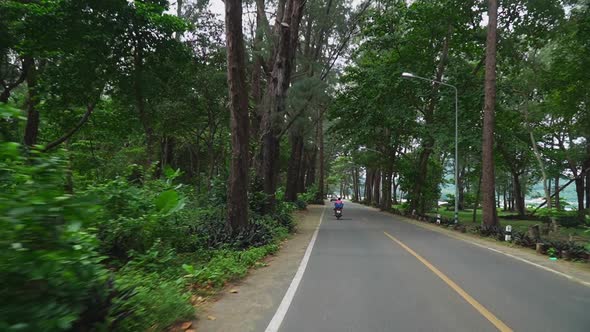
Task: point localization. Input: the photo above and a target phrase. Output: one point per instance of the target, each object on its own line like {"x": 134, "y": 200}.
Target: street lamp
{"x": 410, "y": 75}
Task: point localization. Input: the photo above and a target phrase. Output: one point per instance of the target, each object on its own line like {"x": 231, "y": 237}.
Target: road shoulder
{"x": 578, "y": 272}
{"x": 260, "y": 293}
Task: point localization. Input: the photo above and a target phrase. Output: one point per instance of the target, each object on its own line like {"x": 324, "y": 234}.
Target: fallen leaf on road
{"x": 233, "y": 291}
{"x": 200, "y": 299}
{"x": 186, "y": 325}
{"x": 211, "y": 318}
{"x": 191, "y": 330}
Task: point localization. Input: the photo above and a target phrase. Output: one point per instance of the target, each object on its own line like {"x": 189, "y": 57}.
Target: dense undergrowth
{"x": 120, "y": 255}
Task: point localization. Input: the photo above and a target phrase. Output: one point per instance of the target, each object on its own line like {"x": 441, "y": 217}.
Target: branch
{"x": 66, "y": 136}
{"x": 560, "y": 189}
{"x": 353, "y": 25}
{"x": 9, "y": 86}
{"x": 295, "y": 117}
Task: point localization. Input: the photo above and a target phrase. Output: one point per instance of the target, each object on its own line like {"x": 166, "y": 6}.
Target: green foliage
{"x": 227, "y": 265}
{"x": 283, "y": 214}
{"x": 310, "y": 195}
{"x": 147, "y": 302}
{"x": 135, "y": 216}
{"x": 49, "y": 263}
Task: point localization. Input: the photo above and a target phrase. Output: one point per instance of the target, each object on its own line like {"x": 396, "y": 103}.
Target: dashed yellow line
{"x": 480, "y": 308}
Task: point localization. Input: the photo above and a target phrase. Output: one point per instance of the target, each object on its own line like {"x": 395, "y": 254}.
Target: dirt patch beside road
{"x": 260, "y": 293}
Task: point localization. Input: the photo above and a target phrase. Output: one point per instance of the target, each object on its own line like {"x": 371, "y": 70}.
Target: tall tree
{"x": 237, "y": 202}
{"x": 490, "y": 220}
{"x": 274, "y": 102}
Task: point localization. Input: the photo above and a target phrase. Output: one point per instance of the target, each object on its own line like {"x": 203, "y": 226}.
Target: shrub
{"x": 227, "y": 265}
{"x": 135, "y": 216}
{"x": 310, "y": 195}
{"x": 147, "y": 302}
{"x": 575, "y": 251}
{"x": 523, "y": 239}
{"x": 50, "y": 269}
{"x": 300, "y": 204}
{"x": 283, "y": 214}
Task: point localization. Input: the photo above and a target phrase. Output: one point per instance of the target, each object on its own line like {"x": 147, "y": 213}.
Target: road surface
{"x": 371, "y": 272}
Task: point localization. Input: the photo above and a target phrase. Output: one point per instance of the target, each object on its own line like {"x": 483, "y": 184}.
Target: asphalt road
{"x": 360, "y": 279}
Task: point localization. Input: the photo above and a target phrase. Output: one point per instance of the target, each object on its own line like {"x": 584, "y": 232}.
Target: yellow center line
{"x": 480, "y": 308}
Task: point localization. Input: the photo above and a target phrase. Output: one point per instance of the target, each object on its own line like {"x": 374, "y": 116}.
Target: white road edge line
{"x": 565, "y": 275}
{"x": 277, "y": 319}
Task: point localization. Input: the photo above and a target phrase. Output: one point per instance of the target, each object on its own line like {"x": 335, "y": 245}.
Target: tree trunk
{"x": 287, "y": 28}
{"x": 461, "y": 184}
{"x": 519, "y": 197}
{"x": 237, "y": 193}
{"x": 179, "y": 5}
{"x": 294, "y": 169}
{"x": 376, "y": 187}
{"x": 356, "y": 185}
{"x": 394, "y": 192}
{"x": 580, "y": 195}
{"x": 546, "y": 186}
{"x": 557, "y": 203}
{"x": 428, "y": 143}
{"x": 386, "y": 198}
{"x": 587, "y": 166}
{"x": 320, "y": 138}
{"x": 490, "y": 220}
{"x": 477, "y": 195}
{"x": 257, "y": 64}
{"x": 311, "y": 168}
{"x": 302, "y": 170}
{"x": 369, "y": 186}
{"x": 32, "y": 125}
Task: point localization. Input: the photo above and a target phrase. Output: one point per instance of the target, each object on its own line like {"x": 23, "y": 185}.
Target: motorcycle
{"x": 338, "y": 213}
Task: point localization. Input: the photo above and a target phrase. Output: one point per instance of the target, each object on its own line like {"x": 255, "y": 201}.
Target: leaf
{"x": 211, "y": 317}
{"x": 186, "y": 325}
{"x": 169, "y": 202}
{"x": 188, "y": 268}
{"x": 234, "y": 291}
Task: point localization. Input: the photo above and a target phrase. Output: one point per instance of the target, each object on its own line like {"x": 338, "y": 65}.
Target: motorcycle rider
{"x": 338, "y": 204}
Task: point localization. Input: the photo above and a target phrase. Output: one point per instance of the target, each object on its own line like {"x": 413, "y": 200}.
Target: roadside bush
{"x": 300, "y": 204}
{"x": 227, "y": 265}
{"x": 574, "y": 250}
{"x": 567, "y": 219}
{"x": 283, "y": 214}
{"x": 133, "y": 216}
{"x": 310, "y": 195}
{"x": 51, "y": 273}
{"x": 147, "y": 302}
{"x": 523, "y": 239}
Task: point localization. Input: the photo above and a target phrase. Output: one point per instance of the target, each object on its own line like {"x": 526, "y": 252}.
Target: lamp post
{"x": 410, "y": 75}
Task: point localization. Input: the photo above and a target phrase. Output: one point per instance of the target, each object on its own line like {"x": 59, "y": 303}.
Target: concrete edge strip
{"x": 565, "y": 275}
{"x": 277, "y": 319}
